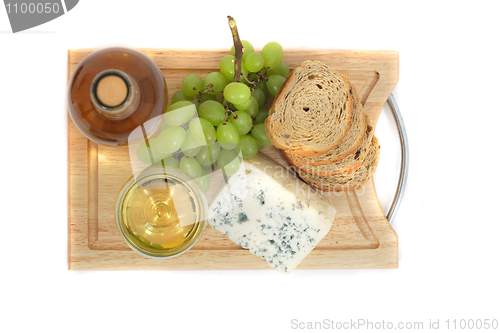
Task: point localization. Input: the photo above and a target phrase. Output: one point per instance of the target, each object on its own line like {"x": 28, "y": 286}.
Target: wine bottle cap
{"x": 111, "y": 90}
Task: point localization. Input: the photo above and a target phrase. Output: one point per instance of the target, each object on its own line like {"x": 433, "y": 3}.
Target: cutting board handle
{"x": 403, "y": 174}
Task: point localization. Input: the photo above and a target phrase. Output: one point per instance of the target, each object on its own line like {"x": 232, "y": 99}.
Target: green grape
{"x": 249, "y": 147}
{"x": 244, "y": 106}
{"x": 262, "y": 85}
{"x": 247, "y": 49}
{"x": 170, "y": 140}
{"x": 273, "y": 54}
{"x": 229, "y": 162}
{"x": 203, "y": 181}
{"x": 226, "y": 66}
{"x": 179, "y": 104}
{"x": 143, "y": 154}
{"x": 227, "y": 135}
{"x": 191, "y": 166}
{"x": 197, "y": 131}
{"x": 180, "y": 96}
{"x": 260, "y": 96}
{"x": 196, "y": 103}
{"x": 274, "y": 84}
{"x": 206, "y": 97}
{"x": 191, "y": 82}
{"x": 281, "y": 70}
{"x": 171, "y": 161}
{"x": 242, "y": 121}
{"x": 179, "y": 116}
{"x": 259, "y": 134}
{"x": 202, "y": 130}
{"x": 237, "y": 93}
{"x": 164, "y": 126}
{"x": 262, "y": 116}
{"x": 190, "y": 147}
{"x": 254, "y": 62}
{"x": 208, "y": 131}
{"x": 154, "y": 151}
{"x": 217, "y": 80}
{"x": 253, "y": 110}
{"x": 212, "y": 111}
{"x": 237, "y": 149}
{"x": 209, "y": 154}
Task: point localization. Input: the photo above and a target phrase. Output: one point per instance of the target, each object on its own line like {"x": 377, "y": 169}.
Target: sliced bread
{"x": 348, "y": 146}
{"x": 347, "y": 165}
{"x": 351, "y": 142}
{"x": 347, "y": 181}
{"x": 313, "y": 111}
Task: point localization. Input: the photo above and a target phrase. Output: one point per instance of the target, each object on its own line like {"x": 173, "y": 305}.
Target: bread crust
{"x": 345, "y": 170}
{"x": 348, "y": 182}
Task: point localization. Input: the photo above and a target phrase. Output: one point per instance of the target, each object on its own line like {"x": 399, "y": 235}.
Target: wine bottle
{"x": 113, "y": 91}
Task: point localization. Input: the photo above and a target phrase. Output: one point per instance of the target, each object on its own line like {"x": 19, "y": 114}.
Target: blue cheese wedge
{"x": 271, "y": 213}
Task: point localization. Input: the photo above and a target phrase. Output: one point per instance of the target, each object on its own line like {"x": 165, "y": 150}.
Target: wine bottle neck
{"x": 115, "y": 94}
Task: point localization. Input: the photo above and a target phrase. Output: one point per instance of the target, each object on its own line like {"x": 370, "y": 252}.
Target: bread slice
{"x": 312, "y": 113}
{"x": 351, "y": 142}
{"x": 347, "y": 165}
{"x": 347, "y": 181}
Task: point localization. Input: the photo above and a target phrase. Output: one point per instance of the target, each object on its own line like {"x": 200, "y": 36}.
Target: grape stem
{"x": 263, "y": 72}
{"x": 248, "y": 80}
{"x": 205, "y": 90}
{"x": 260, "y": 75}
{"x": 238, "y": 48}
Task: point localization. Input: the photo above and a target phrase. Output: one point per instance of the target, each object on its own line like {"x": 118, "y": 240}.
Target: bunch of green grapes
{"x": 231, "y": 115}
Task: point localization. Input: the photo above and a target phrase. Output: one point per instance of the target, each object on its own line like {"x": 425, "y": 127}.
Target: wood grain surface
{"x": 360, "y": 237}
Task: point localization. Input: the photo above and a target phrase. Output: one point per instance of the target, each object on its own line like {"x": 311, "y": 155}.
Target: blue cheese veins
{"x": 277, "y": 219}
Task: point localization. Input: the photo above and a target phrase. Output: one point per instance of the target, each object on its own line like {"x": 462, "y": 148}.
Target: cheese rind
{"x": 279, "y": 219}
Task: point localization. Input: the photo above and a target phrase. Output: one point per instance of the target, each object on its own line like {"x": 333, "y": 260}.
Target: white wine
{"x": 161, "y": 212}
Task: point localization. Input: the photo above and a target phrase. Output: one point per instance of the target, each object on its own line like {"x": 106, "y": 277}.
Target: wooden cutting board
{"x": 360, "y": 237}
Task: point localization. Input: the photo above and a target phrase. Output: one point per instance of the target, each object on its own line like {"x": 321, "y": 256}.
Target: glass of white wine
{"x": 161, "y": 212}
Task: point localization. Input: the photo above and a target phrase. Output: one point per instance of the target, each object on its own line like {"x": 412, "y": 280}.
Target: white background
{"x": 448, "y": 224}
